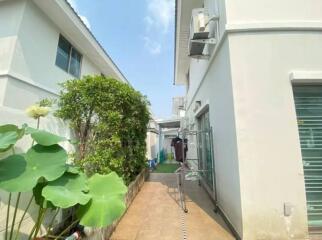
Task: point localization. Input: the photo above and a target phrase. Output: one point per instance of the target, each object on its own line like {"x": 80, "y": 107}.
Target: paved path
{"x": 156, "y": 215}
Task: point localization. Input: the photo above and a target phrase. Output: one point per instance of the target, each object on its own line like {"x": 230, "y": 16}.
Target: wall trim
{"x": 308, "y": 77}
{"x": 28, "y": 81}
{"x": 273, "y": 26}
{"x": 255, "y": 27}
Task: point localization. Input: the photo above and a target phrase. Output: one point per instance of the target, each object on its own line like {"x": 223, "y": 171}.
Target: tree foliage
{"x": 110, "y": 119}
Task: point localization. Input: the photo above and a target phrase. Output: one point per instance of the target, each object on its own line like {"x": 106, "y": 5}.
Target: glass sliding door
{"x": 308, "y": 102}
{"x": 205, "y": 150}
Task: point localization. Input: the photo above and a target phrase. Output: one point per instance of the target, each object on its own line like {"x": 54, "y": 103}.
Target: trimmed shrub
{"x": 110, "y": 120}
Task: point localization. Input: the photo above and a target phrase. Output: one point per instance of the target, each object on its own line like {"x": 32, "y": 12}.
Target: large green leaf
{"x": 39, "y": 199}
{"x": 67, "y": 191}
{"x": 44, "y": 138}
{"x": 9, "y": 135}
{"x": 7, "y": 140}
{"x": 8, "y": 128}
{"x": 21, "y": 173}
{"x": 107, "y": 203}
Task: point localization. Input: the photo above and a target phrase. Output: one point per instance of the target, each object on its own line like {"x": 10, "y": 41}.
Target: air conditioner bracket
{"x": 206, "y": 41}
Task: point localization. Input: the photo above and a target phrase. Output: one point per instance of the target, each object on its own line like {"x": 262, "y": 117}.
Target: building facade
{"x": 256, "y": 85}
{"x": 42, "y": 43}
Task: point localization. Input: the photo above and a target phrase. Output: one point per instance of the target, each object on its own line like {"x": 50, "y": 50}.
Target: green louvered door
{"x": 308, "y": 102}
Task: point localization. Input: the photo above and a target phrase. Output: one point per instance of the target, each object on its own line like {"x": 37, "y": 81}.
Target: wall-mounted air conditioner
{"x": 202, "y": 32}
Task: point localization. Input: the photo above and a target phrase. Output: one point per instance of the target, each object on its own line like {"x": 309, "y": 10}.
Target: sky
{"x": 139, "y": 37}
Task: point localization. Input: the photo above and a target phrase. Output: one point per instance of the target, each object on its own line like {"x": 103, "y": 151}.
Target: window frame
{"x": 72, "y": 48}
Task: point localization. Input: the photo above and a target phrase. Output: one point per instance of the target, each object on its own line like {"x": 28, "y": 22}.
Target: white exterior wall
{"x": 269, "y": 153}
{"x": 256, "y": 143}
{"x": 28, "y": 45}
{"x": 249, "y": 11}
{"x": 270, "y": 160}
{"x": 215, "y": 90}
{"x": 152, "y": 145}
{"x": 33, "y": 60}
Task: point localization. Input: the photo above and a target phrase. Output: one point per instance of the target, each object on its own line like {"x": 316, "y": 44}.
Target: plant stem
{"x": 38, "y": 122}
{"x": 42, "y": 215}
{"x": 68, "y": 228}
{"x": 7, "y": 219}
{"x": 23, "y": 216}
{"x": 51, "y": 223}
{"x": 34, "y": 227}
{"x": 14, "y": 215}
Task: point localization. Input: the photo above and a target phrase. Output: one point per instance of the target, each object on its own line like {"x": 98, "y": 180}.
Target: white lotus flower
{"x": 36, "y": 111}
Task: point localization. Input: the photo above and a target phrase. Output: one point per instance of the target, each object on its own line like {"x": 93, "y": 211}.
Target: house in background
{"x": 253, "y": 74}
{"x": 178, "y": 107}
{"x": 42, "y": 43}
{"x": 152, "y": 140}
{"x": 169, "y": 129}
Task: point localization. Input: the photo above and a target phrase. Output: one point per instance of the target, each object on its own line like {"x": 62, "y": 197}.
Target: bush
{"x": 110, "y": 120}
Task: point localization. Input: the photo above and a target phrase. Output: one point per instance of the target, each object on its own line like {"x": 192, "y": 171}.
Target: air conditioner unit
{"x": 201, "y": 32}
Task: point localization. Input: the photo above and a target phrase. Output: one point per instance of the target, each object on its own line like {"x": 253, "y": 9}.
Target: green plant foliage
{"x": 21, "y": 173}
{"x": 110, "y": 119}
{"x": 55, "y": 184}
{"x": 9, "y": 135}
{"x": 45, "y": 138}
{"x": 29, "y": 130}
{"x": 7, "y": 140}
{"x": 107, "y": 201}
{"x": 67, "y": 191}
{"x": 39, "y": 199}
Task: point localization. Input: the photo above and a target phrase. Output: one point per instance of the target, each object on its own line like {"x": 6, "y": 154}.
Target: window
{"x": 308, "y": 103}
{"x": 68, "y": 58}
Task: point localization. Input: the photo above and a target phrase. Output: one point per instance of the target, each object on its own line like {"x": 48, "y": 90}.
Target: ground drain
{"x": 184, "y": 231}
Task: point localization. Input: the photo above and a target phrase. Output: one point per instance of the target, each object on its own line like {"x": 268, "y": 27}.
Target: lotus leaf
{"x": 9, "y": 135}
{"x": 7, "y": 140}
{"x": 67, "y": 191}
{"x": 44, "y": 138}
{"x": 107, "y": 203}
{"x": 21, "y": 173}
{"x": 39, "y": 199}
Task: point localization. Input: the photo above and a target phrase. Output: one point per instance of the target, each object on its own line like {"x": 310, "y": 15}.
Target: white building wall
{"x": 28, "y": 45}
{"x": 216, "y": 90}
{"x": 270, "y": 160}
{"x": 249, "y": 11}
{"x": 199, "y": 67}
{"x": 263, "y": 42}
{"x": 267, "y": 43}
{"x": 11, "y": 13}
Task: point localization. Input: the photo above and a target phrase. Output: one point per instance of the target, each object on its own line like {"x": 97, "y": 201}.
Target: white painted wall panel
{"x": 270, "y": 160}
{"x": 216, "y": 90}
{"x": 11, "y": 13}
{"x": 20, "y": 95}
{"x": 28, "y": 45}
{"x": 273, "y": 10}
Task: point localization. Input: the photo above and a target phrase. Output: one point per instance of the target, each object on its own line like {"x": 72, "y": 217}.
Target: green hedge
{"x": 110, "y": 120}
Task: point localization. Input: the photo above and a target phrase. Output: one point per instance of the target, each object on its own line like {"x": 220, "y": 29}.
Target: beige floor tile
{"x": 156, "y": 214}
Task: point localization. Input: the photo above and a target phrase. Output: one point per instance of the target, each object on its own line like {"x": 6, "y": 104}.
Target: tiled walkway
{"x": 156, "y": 215}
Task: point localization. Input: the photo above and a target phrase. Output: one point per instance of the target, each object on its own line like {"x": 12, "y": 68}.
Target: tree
{"x": 110, "y": 120}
